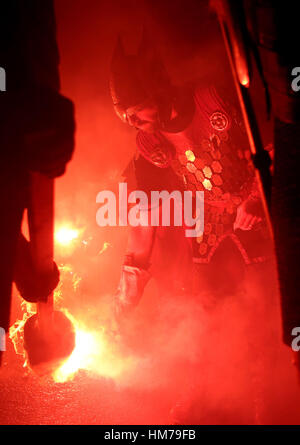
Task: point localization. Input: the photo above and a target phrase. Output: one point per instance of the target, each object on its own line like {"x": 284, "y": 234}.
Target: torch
{"x": 229, "y": 14}
{"x": 49, "y": 336}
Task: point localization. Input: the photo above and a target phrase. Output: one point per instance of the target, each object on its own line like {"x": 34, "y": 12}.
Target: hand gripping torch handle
{"x": 49, "y": 336}
{"x": 41, "y": 229}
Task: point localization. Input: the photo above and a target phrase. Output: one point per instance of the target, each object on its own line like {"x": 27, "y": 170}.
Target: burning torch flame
{"x": 66, "y": 235}
{"x": 96, "y": 352}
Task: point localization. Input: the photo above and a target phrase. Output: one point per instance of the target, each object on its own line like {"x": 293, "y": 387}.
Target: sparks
{"x": 104, "y": 248}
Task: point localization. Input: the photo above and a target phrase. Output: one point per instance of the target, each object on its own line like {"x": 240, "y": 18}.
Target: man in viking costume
{"x": 188, "y": 138}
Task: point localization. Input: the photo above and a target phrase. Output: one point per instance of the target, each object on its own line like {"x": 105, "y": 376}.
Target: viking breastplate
{"x": 211, "y": 155}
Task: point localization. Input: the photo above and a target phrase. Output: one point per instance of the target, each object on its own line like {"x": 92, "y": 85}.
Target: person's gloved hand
{"x": 33, "y": 286}
{"x": 132, "y": 283}
{"x": 249, "y": 213}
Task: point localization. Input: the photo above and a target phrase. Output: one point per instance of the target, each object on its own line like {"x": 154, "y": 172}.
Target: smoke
{"x": 216, "y": 357}
{"x": 205, "y": 355}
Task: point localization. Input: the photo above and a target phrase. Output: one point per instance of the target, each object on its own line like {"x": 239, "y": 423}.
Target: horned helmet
{"x": 135, "y": 79}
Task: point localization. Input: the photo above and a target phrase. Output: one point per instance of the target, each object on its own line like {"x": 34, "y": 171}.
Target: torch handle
{"x": 236, "y": 52}
{"x": 41, "y": 227}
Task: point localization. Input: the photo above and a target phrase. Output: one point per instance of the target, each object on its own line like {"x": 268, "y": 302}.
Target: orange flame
{"x": 65, "y": 235}
{"x": 16, "y": 331}
{"x": 96, "y": 352}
